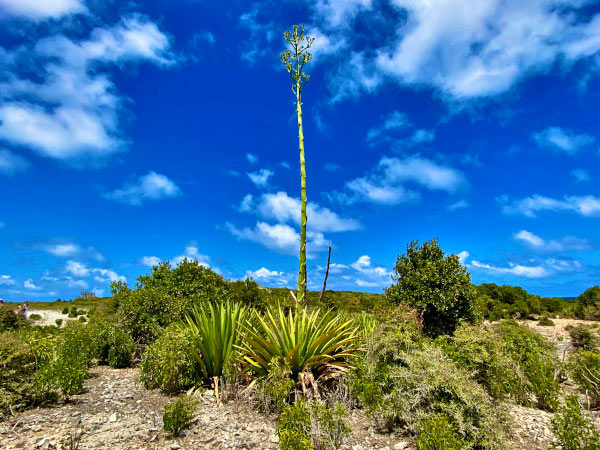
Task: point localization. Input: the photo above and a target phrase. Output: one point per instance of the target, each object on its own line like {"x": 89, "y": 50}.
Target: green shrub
{"x": 328, "y": 426}
{"x": 572, "y": 429}
{"x": 9, "y": 320}
{"x": 413, "y": 384}
{"x": 318, "y": 341}
{"x": 73, "y": 312}
{"x": 65, "y": 310}
{"x": 588, "y": 304}
{"x": 82, "y": 319}
{"x": 58, "y": 322}
{"x": 115, "y": 347}
{"x": 585, "y": 369}
{"x": 536, "y": 358}
{"x": 179, "y": 414}
{"x": 294, "y": 427}
{"x": 582, "y": 337}
{"x": 168, "y": 364}
{"x": 35, "y": 317}
{"x": 481, "y": 351}
{"x": 436, "y": 433}
{"x": 546, "y": 322}
{"x": 274, "y": 390}
{"x": 437, "y": 286}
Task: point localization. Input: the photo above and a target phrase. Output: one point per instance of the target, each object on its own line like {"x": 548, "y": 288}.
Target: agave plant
{"x": 316, "y": 341}
{"x": 214, "y": 334}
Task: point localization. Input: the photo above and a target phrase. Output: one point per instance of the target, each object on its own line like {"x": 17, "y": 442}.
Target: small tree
{"x": 437, "y": 286}
{"x": 588, "y": 304}
{"x": 294, "y": 61}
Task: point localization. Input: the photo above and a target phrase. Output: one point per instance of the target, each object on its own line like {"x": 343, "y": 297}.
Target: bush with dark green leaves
{"x": 437, "y": 286}
{"x": 58, "y": 322}
{"x": 35, "y": 317}
{"x": 294, "y": 427}
{"x": 115, "y": 347}
{"x": 573, "y": 429}
{"x": 585, "y": 370}
{"x": 588, "y": 304}
{"x": 546, "y": 322}
{"x": 274, "y": 390}
{"x": 9, "y": 319}
{"x": 505, "y": 302}
{"x": 179, "y": 414}
{"x": 583, "y": 337}
{"x": 403, "y": 382}
{"x": 167, "y": 363}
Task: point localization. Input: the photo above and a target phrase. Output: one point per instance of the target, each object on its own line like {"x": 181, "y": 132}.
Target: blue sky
{"x": 137, "y": 132}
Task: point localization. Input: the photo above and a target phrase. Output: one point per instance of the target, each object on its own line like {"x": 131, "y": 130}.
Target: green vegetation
{"x": 317, "y": 341}
{"x": 573, "y": 430}
{"x": 436, "y": 433}
{"x": 583, "y": 337}
{"x": 546, "y": 322}
{"x": 179, "y": 414}
{"x": 294, "y": 61}
{"x": 585, "y": 370}
{"x": 437, "y": 286}
{"x": 588, "y": 304}
{"x": 115, "y": 347}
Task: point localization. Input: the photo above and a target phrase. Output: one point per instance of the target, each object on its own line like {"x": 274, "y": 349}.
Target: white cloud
{"x": 562, "y": 140}
{"x": 283, "y": 208}
{"x": 29, "y": 284}
{"x": 260, "y": 178}
{"x": 530, "y": 206}
{"x": 513, "y": 269}
{"x": 355, "y": 76}
{"x": 580, "y": 175}
{"x": 338, "y": 13}
{"x": 72, "y": 113}
{"x": 393, "y": 121}
{"x": 568, "y": 243}
{"x": 81, "y": 284}
{"x": 483, "y": 48}
{"x": 77, "y": 269}
{"x": 66, "y": 249}
{"x": 192, "y": 254}
{"x": 385, "y": 184}
{"x": 252, "y": 159}
{"x": 150, "y": 261}
{"x": 6, "y": 280}
{"x": 63, "y": 250}
{"x": 152, "y": 186}
{"x": 264, "y": 275}
{"x": 41, "y": 9}
{"x": 11, "y": 163}
{"x": 280, "y": 238}
{"x": 462, "y": 256}
{"x": 461, "y": 204}
{"x": 107, "y": 275}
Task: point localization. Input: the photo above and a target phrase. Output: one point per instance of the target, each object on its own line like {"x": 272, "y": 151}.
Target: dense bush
{"x": 9, "y": 319}
{"x": 536, "y": 358}
{"x": 437, "y": 286}
{"x": 179, "y": 414}
{"x": 588, "y": 304}
{"x": 114, "y": 347}
{"x": 582, "y": 336}
{"x": 403, "y": 383}
{"x": 546, "y": 322}
{"x": 436, "y": 433}
{"x": 167, "y": 363}
{"x": 572, "y": 429}
{"x": 294, "y": 427}
{"x": 504, "y": 302}
{"x": 585, "y": 370}
{"x": 35, "y": 317}
{"x": 274, "y": 390}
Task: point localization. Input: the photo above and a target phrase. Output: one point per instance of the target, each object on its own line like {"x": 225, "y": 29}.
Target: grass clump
{"x": 572, "y": 429}
{"x": 179, "y": 414}
{"x": 582, "y": 337}
{"x": 436, "y": 433}
{"x": 35, "y": 317}
{"x": 546, "y": 322}
{"x": 167, "y": 363}
{"x": 585, "y": 370}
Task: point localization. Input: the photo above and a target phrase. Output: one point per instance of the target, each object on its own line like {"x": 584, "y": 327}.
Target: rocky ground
{"x": 116, "y": 411}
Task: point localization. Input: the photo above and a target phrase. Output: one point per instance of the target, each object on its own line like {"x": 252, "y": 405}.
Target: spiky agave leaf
{"x": 214, "y": 335}
{"x": 316, "y": 341}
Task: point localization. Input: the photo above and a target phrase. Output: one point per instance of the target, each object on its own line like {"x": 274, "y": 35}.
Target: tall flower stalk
{"x": 294, "y": 60}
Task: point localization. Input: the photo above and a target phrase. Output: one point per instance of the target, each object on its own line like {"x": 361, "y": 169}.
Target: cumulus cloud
{"x": 72, "y": 112}
{"x": 66, "y": 249}
{"x": 152, "y": 186}
{"x": 393, "y": 121}
{"x": 252, "y": 159}
{"x": 568, "y": 243}
{"x": 462, "y": 256}
{"x": 107, "y": 276}
{"x": 338, "y": 13}
{"x": 150, "y": 261}
{"x": 584, "y": 205}
{"x": 40, "y": 10}
{"x": 483, "y": 48}
{"x": 280, "y": 237}
{"x": 6, "y": 280}
{"x": 266, "y": 276}
{"x": 536, "y": 268}
{"x": 362, "y": 273}
{"x": 260, "y": 178}
{"x": 11, "y": 163}
{"x": 285, "y": 209}
{"x": 513, "y": 269}
{"x": 100, "y": 275}
{"x": 191, "y": 253}
{"x": 385, "y": 184}
{"x": 29, "y": 284}
{"x": 461, "y": 204}
{"x": 560, "y": 139}
{"x": 77, "y": 269}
